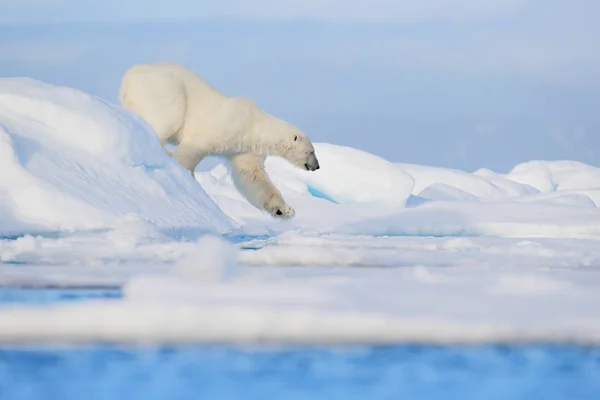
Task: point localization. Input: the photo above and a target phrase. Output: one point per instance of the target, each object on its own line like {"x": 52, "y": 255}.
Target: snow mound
{"x": 358, "y": 193}
{"x": 70, "y": 161}
{"x": 433, "y": 181}
{"x": 347, "y": 176}
{"x": 548, "y": 176}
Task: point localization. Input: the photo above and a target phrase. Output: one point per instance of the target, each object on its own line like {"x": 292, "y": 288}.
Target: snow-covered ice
{"x": 72, "y": 162}
{"x": 378, "y": 251}
{"x": 541, "y": 199}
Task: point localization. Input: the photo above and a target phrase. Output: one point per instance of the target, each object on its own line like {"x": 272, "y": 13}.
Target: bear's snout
{"x": 312, "y": 164}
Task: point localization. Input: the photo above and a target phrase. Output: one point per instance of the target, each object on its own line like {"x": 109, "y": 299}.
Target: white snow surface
{"x": 71, "y": 162}
{"x": 379, "y": 252}
{"x": 298, "y": 288}
{"x": 553, "y": 199}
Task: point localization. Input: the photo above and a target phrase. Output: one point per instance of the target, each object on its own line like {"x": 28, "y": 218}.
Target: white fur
{"x": 186, "y": 111}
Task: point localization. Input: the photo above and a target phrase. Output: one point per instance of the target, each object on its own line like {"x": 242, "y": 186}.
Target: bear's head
{"x": 292, "y": 144}
{"x": 271, "y": 136}
{"x": 297, "y": 148}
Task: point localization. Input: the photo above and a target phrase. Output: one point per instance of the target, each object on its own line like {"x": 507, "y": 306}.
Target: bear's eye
{"x": 295, "y": 138}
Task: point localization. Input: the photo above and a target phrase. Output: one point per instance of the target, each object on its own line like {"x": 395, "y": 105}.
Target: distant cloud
{"x": 549, "y": 41}
{"x": 401, "y": 11}
{"x": 50, "y": 54}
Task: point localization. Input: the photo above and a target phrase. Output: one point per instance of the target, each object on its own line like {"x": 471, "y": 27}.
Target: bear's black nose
{"x": 311, "y": 166}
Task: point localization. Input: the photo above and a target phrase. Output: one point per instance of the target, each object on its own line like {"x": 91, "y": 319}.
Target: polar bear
{"x": 186, "y": 111}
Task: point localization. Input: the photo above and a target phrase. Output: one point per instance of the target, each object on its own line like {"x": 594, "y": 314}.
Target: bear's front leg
{"x": 251, "y": 179}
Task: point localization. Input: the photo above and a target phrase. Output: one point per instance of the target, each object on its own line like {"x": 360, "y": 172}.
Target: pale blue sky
{"x": 454, "y": 83}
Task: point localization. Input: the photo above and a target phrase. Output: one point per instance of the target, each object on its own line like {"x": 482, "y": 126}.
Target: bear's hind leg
{"x": 188, "y": 157}
{"x": 251, "y": 179}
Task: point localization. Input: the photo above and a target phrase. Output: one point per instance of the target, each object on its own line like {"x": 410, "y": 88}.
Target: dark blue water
{"x": 54, "y": 295}
{"x": 400, "y": 372}
{"x": 367, "y": 372}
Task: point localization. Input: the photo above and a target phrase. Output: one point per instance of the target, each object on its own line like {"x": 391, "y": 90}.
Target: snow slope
{"x": 70, "y": 161}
